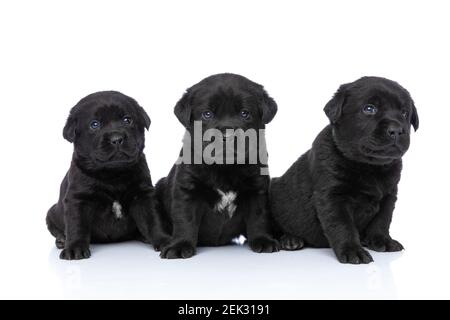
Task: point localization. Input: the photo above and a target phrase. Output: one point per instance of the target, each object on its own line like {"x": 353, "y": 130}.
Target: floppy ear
{"x": 333, "y": 109}
{"x": 414, "y": 118}
{"x": 69, "y": 132}
{"x": 183, "y": 109}
{"x": 268, "y": 108}
{"x": 144, "y": 116}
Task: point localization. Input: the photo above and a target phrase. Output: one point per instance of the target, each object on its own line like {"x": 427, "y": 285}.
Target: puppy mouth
{"x": 118, "y": 157}
{"x": 391, "y": 151}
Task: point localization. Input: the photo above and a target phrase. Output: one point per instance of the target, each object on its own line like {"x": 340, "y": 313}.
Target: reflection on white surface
{"x": 134, "y": 270}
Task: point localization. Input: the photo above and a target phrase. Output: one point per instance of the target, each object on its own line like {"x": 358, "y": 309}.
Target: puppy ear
{"x": 144, "y": 116}
{"x": 414, "y": 118}
{"x": 69, "y": 132}
{"x": 268, "y": 108}
{"x": 333, "y": 109}
{"x": 183, "y": 109}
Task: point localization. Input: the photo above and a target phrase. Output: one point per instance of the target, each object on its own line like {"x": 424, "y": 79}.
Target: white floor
{"x": 133, "y": 271}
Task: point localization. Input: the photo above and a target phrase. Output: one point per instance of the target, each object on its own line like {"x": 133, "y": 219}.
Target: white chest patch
{"x": 117, "y": 209}
{"x": 226, "y": 203}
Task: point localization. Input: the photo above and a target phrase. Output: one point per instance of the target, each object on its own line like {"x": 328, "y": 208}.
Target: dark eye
{"x": 245, "y": 114}
{"x": 95, "y": 124}
{"x": 207, "y": 115}
{"x": 127, "y": 120}
{"x": 370, "y": 109}
{"x": 405, "y": 114}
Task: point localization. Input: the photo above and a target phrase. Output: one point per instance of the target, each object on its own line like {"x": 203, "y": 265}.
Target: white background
{"x": 53, "y": 53}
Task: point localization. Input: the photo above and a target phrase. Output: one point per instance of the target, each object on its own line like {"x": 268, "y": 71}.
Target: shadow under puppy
{"x": 210, "y": 204}
{"x": 342, "y": 192}
{"x": 106, "y": 195}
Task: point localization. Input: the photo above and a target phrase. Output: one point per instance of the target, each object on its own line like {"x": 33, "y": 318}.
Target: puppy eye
{"x": 127, "y": 120}
{"x": 95, "y": 124}
{"x": 405, "y": 114}
{"x": 207, "y": 115}
{"x": 245, "y": 114}
{"x": 370, "y": 109}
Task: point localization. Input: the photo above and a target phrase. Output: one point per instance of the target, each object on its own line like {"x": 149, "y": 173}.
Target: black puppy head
{"x": 224, "y": 103}
{"x": 226, "y": 100}
{"x": 107, "y": 129}
{"x": 371, "y": 120}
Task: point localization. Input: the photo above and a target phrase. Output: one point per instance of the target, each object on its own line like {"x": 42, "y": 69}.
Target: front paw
{"x": 354, "y": 254}
{"x": 60, "y": 242}
{"x": 291, "y": 243}
{"x": 264, "y": 244}
{"x": 75, "y": 253}
{"x": 177, "y": 250}
{"x": 382, "y": 243}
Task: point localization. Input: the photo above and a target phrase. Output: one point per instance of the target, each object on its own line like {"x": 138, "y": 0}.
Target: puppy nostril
{"x": 116, "y": 139}
{"x": 394, "y": 132}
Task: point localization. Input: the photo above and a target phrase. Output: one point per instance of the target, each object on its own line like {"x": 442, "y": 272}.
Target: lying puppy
{"x": 210, "y": 204}
{"x": 342, "y": 192}
{"x": 106, "y": 195}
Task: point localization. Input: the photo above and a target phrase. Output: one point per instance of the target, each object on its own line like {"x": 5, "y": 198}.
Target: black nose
{"x": 116, "y": 139}
{"x": 394, "y": 131}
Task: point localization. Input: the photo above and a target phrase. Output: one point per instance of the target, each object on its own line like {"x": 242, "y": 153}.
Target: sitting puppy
{"x": 211, "y": 202}
{"x": 106, "y": 195}
{"x": 342, "y": 192}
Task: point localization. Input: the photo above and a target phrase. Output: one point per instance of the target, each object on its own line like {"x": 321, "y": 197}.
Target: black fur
{"x": 342, "y": 192}
{"x": 189, "y": 193}
{"x": 108, "y": 165}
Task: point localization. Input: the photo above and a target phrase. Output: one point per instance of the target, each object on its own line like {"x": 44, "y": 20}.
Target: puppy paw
{"x": 264, "y": 244}
{"x": 177, "y": 250}
{"x": 75, "y": 253}
{"x": 354, "y": 254}
{"x": 60, "y": 243}
{"x": 382, "y": 243}
{"x": 290, "y": 243}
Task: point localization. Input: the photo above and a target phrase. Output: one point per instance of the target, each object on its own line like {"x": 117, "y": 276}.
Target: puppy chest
{"x": 226, "y": 203}
{"x": 364, "y": 209}
{"x": 117, "y": 210}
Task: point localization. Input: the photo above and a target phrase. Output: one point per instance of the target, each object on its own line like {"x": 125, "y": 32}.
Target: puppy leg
{"x": 340, "y": 231}
{"x": 186, "y": 222}
{"x": 78, "y": 231}
{"x": 376, "y": 237}
{"x": 53, "y": 227}
{"x": 258, "y": 225}
{"x": 149, "y": 221}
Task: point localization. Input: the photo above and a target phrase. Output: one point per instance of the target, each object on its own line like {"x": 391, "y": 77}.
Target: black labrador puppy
{"x": 211, "y": 201}
{"x": 106, "y": 195}
{"x": 342, "y": 192}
